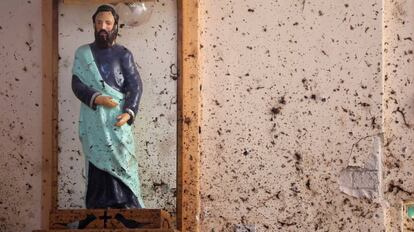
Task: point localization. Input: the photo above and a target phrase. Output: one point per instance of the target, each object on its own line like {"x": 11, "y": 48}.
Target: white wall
{"x": 293, "y": 98}
{"x": 20, "y": 120}
{"x": 398, "y": 110}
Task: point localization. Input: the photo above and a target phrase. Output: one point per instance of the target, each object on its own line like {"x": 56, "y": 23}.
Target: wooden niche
{"x": 188, "y": 101}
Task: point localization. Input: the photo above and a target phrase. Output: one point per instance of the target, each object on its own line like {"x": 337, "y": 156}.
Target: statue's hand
{"x": 122, "y": 119}
{"x": 105, "y": 101}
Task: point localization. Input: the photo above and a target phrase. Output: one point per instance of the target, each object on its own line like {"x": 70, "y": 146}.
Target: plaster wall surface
{"x": 398, "y": 111}
{"x": 20, "y": 117}
{"x": 292, "y": 97}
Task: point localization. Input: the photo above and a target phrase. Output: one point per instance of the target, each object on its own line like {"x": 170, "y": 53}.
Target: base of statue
{"x": 106, "y": 220}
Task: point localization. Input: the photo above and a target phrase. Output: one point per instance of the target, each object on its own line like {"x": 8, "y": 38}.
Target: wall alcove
{"x": 188, "y": 116}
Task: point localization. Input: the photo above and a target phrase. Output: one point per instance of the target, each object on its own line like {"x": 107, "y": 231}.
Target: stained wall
{"x": 292, "y": 115}
{"x": 398, "y": 112}
{"x": 20, "y": 117}
{"x": 307, "y": 117}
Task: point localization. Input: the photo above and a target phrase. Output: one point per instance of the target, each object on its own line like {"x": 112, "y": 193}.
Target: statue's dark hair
{"x": 103, "y": 8}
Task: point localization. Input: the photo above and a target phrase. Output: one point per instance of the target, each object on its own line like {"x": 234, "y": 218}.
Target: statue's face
{"x": 104, "y": 20}
{"x": 105, "y": 34}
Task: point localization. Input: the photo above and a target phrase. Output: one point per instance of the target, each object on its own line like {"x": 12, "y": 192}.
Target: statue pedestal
{"x": 111, "y": 230}
{"x": 110, "y": 220}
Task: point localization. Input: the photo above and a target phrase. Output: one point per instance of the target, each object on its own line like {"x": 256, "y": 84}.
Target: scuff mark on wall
{"x": 362, "y": 179}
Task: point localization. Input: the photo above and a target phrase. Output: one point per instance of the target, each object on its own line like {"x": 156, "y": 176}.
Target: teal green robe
{"x": 108, "y": 147}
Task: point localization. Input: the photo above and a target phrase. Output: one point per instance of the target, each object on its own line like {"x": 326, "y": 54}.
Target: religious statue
{"x": 105, "y": 79}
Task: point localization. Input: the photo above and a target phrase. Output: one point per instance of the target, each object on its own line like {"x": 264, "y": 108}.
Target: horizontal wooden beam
{"x": 110, "y": 230}
{"x": 107, "y": 218}
{"x": 101, "y": 1}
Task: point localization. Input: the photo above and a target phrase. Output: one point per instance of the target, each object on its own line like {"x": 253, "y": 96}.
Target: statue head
{"x": 105, "y": 21}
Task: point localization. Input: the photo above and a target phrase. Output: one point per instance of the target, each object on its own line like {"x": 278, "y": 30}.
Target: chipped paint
{"x": 362, "y": 179}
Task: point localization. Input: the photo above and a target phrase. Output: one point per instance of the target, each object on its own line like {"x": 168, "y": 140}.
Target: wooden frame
{"x": 188, "y": 118}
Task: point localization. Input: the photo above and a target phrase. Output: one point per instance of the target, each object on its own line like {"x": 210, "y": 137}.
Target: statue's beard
{"x": 104, "y": 39}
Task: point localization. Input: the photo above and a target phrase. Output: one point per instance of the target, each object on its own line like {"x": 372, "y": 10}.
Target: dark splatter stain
{"x": 103, "y": 83}
{"x": 286, "y": 224}
{"x": 298, "y": 161}
{"x": 187, "y": 120}
{"x": 210, "y": 197}
{"x": 308, "y": 184}
{"x": 305, "y": 83}
{"x": 401, "y": 111}
{"x": 373, "y": 123}
{"x": 162, "y": 185}
{"x": 320, "y": 13}
{"x": 282, "y": 100}
{"x": 250, "y": 10}
{"x": 395, "y": 188}
{"x": 295, "y": 23}
{"x": 275, "y": 110}
{"x": 346, "y": 5}
{"x": 298, "y": 157}
{"x": 173, "y": 72}
{"x": 364, "y": 104}
{"x": 25, "y": 68}
{"x": 28, "y": 45}
{"x": 80, "y": 29}
{"x": 28, "y": 186}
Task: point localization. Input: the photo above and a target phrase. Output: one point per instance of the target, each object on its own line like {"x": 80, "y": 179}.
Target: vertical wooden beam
{"x": 49, "y": 108}
{"x": 188, "y": 160}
